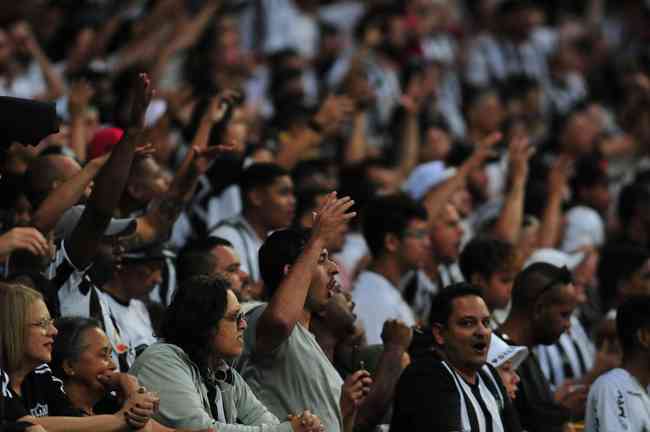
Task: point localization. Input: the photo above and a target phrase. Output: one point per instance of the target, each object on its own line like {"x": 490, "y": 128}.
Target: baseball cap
{"x": 70, "y": 219}
{"x": 103, "y": 142}
{"x": 500, "y": 352}
{"x": 556, "y": 258}
{"x": 426, "y": 176}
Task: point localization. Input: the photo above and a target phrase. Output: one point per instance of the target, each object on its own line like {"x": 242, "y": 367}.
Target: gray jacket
{"x": 168, "y": 370}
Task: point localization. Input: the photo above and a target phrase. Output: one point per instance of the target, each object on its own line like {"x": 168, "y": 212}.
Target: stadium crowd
{"x": 334, "y": 215}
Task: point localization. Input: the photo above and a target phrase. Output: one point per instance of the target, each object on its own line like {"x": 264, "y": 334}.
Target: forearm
{"x": 410, "y": 145}
{"x": 551, "y": 222}
{"x": 436, "y": 197}
{"x": 78, "y": 136}
{"x": 356, "y": 148}
{"x": 382, "y": 392}
{"x": 111, "y": 180}
{"x": 55, "y": 86}
{"x": 62, "y": 198}
{"x": 99, "y": 423}
{"x": 509, "y": 222}
{"x": 287, "y": 304}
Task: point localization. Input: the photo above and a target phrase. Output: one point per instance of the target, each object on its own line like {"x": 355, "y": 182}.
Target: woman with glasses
{"x": 204, "y": 328}
{"x": 28, "y": 333}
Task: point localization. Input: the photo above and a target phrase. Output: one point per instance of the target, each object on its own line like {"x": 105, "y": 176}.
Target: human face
{"x": 446, "y": 235}
{"x": 465, "y": 338}
{"x": 39, "y": 335}
{"x": 323, "y": 283}
{"x": 499, "y": 289}
{"x": 139, "y": 278}
{"x": 553, "y": 310}
{"x": 415, "y": 245}
{"x": 229, "y": 339}
{"x": 510, "y": 378}
{"x": 277, "y": 202}
{"x": 229, "y": 264}
{"x": 95, "y": 360}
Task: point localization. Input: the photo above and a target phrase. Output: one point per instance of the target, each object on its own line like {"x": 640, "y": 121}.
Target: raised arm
{"x": 551, "y": 224}
{"x": 78, "y": 98}
{"x": 410, "y": 145}
{"x": 287, "y": 304}
{"x": 437, "y": 197}
{"x": 397, "y": 338}
{"x": 109, "y": 184}
{"x": 157, "y": 223}
{"x": 509, "y": 223}
{"x": 24, "y": 36}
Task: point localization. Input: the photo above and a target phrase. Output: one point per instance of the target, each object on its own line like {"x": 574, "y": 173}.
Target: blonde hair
{"x": 15, "y": 301}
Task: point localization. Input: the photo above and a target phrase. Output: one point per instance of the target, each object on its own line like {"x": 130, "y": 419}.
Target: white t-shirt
{"x": 245, "y": 241}
{"x": 78, "y": 296}
{"x": 617, "y": 402}
{"x": 378, "y": 300}
{"x": 133, "y": 319}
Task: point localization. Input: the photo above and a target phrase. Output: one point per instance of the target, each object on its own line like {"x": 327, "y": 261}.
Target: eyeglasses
{"x": 44, "y": 324}
{"x": 238, "y": 319}
{"x": 564, "y": 277}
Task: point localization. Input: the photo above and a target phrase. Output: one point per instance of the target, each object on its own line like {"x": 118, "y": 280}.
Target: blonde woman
{"x": 27, "y": 336}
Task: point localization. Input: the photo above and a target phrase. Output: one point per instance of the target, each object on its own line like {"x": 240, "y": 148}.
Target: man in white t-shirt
{"x": 619, "y": 399}
{"x": 397, "y": 233}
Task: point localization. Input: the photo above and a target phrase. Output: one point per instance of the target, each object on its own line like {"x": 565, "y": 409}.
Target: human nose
{"x": 52, "y": 330}
{"x": 243, "y": 324}
{"x": 111, "y": 363}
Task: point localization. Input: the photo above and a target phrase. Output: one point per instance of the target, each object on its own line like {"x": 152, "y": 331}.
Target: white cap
{"x": 555, "y": 257}
{"x": 500, "y": 352}
{"x": 426, "y": 176}
{"x": 584, "y": 227}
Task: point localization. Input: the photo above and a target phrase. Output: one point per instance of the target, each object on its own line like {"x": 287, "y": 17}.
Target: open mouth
{"x": 480, "y": 348}
{"x": 333, "y": 287}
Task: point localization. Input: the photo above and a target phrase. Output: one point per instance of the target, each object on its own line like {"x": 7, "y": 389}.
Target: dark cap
{"x": 26, "y": 121}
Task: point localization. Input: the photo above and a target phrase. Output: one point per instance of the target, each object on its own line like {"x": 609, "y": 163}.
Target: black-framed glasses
{"x": 44, "y": 324}
{"x": 237, "y": 319}
{"x": 564, "y": 277}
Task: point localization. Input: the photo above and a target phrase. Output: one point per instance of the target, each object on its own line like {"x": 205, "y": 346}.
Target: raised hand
{"x": 396, "y": 334}
{"x": 355, "y": 389}
{"x": 331, "y": 218}
{"x": 219, "y": 105}
{"x": 485, "y": 148}
{"x": 559, "y": 174}
{"x": 519, "y": 153}
{"x": 143, "y": 92}
{"x": 24, "y": 238}
{"x": 333, "y": 112}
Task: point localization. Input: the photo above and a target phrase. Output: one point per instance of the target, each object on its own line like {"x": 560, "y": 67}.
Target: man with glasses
{"x": 543, "y": 299}
{"x": 619, "y": 400}
{"x": 397, "y": 233}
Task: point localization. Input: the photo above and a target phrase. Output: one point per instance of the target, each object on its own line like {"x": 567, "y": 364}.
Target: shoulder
{"x": 160, "y": 354}
{"x": 608, "y": 384}
{"x": 428, "y": 372}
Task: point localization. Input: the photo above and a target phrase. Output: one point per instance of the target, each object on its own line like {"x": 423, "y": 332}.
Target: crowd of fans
{"x": 336, "y": 215}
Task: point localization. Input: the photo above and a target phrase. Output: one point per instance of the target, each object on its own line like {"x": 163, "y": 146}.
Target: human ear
{"x": 67, "y": 368}
{"x": 436, "y": 329}
{"x": 391, "y": 242}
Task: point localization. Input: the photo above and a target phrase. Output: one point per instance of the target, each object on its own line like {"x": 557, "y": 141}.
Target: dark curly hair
{"x": 193, "y": 316}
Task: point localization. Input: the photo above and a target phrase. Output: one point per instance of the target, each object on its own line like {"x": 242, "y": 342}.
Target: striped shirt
{"x": 571, "y": 357}
{"x": 79, "y": 296}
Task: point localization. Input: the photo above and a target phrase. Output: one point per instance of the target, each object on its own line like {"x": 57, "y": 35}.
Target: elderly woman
{"x": 203, "y": 329}
{"x": 82, "y": 359}
{"x": 27, "y": 333}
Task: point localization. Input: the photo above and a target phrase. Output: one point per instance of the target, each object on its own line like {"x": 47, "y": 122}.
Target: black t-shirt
{"x": 10, "y": 408}
{"x": 43, "y": 395}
